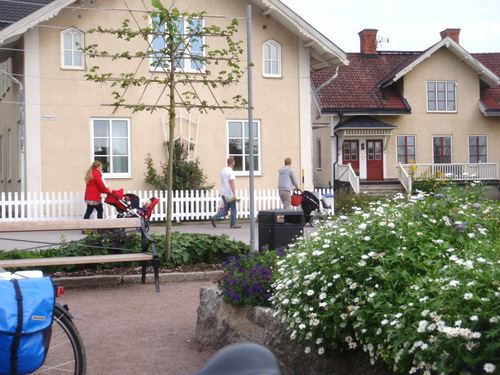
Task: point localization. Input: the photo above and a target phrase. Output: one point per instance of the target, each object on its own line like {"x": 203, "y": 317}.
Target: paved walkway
{"x": 25, "y": 240}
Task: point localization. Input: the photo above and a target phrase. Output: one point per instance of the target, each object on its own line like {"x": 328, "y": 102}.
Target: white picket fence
{"x": 187, "y": 205}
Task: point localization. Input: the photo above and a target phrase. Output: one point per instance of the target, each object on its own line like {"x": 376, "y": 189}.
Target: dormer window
{"x": 72, "y": 57}
{"x": 442, "y": 96}
{"x": 272, "y": 59}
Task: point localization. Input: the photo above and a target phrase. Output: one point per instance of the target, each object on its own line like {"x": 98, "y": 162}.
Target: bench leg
{"x": 156, "y": 262}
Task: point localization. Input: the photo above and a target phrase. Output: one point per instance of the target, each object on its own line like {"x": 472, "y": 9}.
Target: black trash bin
{"x": 278, "y": 234}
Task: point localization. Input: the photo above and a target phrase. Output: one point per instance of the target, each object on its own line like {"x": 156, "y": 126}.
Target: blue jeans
{"x": 227, "y": 206}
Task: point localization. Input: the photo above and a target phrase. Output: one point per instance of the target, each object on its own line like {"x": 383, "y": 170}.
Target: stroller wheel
{"x": 314, "y": 221}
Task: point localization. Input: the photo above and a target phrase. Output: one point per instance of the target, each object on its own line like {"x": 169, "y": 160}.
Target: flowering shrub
{"x": 414, "y": 282}
{"x": 426, "y": 182}
{"x": 247, "y": 279}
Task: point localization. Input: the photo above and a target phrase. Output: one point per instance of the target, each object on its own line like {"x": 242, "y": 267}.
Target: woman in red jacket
{"x": 95, "y": 187}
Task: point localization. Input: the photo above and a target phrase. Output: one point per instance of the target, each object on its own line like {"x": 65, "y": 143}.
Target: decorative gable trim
{"x": 484, "y": 73}
{"x": 13, "y": 32}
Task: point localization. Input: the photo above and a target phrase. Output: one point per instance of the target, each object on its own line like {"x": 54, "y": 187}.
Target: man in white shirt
{"x": 228, "y": 192}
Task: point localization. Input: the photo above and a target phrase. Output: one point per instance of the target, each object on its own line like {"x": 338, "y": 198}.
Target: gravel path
{"x": 134, "y": 330}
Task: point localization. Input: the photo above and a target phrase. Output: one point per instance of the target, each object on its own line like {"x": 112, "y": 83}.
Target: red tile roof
{"x": 359, "y": 86}
{"x": 490, "y": 96}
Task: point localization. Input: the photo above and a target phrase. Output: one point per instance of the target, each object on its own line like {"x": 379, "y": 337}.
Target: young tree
{"x": 173, "y": 39}
{"x": 187, "y": 174}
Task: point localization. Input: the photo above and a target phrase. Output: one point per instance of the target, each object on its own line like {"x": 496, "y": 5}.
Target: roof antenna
{"x": 381, "y": 40}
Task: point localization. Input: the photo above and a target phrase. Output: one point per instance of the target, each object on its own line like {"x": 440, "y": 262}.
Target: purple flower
{"x": 460, "y": 227}
{"x": 477, "y": 205}
{"x": 439, "y": 196}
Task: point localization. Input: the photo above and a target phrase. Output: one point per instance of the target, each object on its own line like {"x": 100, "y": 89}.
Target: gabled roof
{"x": 357, "y": 86}
{"x": 25, "y": 15}
{"x": 369, "y": 84}
{"x": 484, "y": 73}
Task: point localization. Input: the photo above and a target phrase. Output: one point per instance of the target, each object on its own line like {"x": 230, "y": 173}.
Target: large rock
{"x": 220, "y": 324}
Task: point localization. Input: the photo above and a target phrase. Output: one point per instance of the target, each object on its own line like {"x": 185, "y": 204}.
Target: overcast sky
{"x": 410, "y": 25}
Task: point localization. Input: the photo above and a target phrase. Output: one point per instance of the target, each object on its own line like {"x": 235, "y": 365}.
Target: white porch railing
{"x": 404, "y": 178}
{"x": 187, "y": 205}
{"x": 347, "y": 174}
{"x": 454, "y": 171}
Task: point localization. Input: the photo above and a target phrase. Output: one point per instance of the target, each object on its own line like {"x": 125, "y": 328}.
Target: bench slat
{"x": 61, "y": 261}
{"x": 78, "y": 224}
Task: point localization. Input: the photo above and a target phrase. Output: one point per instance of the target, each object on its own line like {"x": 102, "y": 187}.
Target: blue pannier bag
{"x": 26, "y": 313}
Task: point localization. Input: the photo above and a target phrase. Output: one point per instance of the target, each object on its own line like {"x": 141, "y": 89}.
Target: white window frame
{"x": 397, "y": 147}
{"x": 111, "y": 174}
{"x": 447, "y": 100}
{"x": 487, "y": 148}
{"x": 186, "y": 61}
{"x": 75, "y": 49}
{"x": 244, "y": 155}
{"x": 267, "y": 61}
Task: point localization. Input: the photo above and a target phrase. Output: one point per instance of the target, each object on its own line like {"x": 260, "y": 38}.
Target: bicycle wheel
{"x": 66, "y": 354}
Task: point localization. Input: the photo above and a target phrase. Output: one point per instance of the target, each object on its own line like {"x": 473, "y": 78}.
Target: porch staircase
{"x": 384, "y": 189}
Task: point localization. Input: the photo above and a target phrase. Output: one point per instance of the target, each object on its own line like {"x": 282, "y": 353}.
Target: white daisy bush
{"x": 413, "y": 282}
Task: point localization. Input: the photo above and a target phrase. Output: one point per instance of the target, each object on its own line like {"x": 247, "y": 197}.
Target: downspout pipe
{"x": 328, "y": 81}
{"x": 22, "y": 159}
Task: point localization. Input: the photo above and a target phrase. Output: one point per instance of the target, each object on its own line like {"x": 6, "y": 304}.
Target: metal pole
{"x": 250, "y": 127}
{"x": 22, "y": 158}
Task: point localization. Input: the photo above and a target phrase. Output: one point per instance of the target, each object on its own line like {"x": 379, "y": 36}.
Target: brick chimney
{"x": 452, "y": 33}
{"x": 368, "y": 40}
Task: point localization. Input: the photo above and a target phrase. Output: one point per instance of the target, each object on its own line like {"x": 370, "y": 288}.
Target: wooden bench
{"x": 92, "y": 224}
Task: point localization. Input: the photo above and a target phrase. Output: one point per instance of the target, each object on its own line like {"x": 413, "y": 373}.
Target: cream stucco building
{"x": 66, "y": 126}
{"x": 439, "y": 108}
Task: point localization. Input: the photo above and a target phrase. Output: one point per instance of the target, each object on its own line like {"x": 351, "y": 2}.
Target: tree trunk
{"x": 171, "y": 124}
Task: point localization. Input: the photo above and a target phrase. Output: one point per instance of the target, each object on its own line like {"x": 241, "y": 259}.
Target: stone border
{"x": 115, "y": 280}
{"x": 220, "y": 324}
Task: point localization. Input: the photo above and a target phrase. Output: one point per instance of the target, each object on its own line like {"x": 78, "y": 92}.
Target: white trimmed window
{"x": 272, "y": 58}
{"x": 239, "y": 146}
{"x": 442, "y": 96}
{"x": 187, "y": 53}
{"x": 406, "y": 149}
{"x": 72, "y": 40}
{"x": 478, "y": 149}
{"x": 111, "y": 145}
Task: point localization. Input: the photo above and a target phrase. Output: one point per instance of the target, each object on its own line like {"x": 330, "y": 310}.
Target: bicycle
{"x": 66, "y": 351}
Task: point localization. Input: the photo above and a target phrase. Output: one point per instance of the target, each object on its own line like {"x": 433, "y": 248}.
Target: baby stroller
{"x": 314, "y": 209}
{"x": 128, "y": 205}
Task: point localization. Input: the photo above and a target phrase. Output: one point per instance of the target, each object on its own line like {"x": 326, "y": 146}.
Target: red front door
{"x": 374, "y": 160}
{"x": 351, "y": 154}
